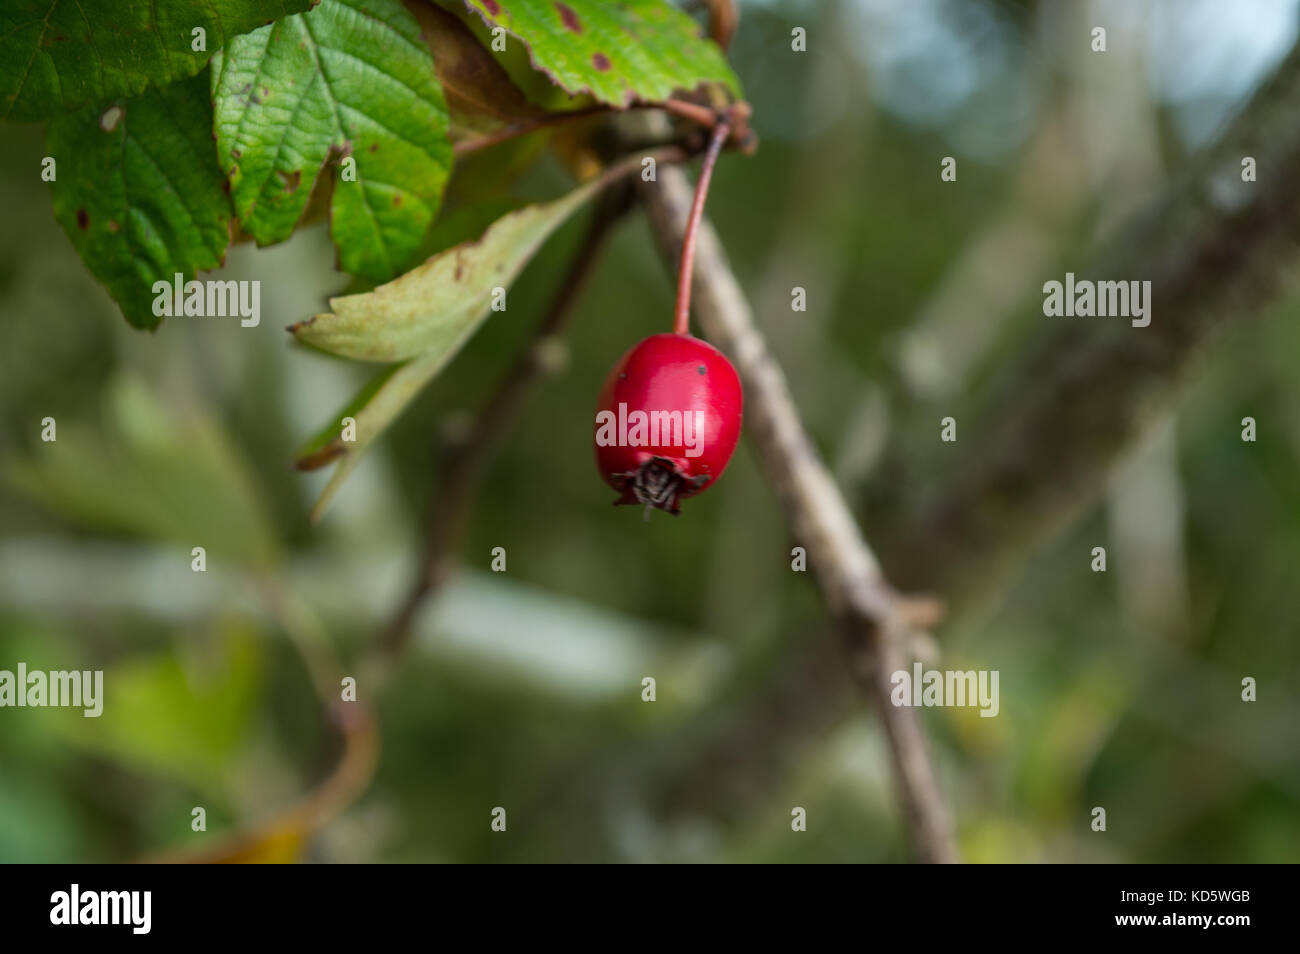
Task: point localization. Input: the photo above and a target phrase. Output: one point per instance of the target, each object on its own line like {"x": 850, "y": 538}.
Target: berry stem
{"x": 702, "y": 116}
{"x": 682, "y": 319}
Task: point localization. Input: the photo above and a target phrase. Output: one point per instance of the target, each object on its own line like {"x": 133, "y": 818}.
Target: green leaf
{"x": 425, "y": 316}
{"x": 327, "y": 444}
{"x": 350, "y": 80}
{"x": 160, "y": 717}
{"x": 437, "y": 306}
{"x": 616, "y": 51}
{"x": 139, "y": 192}
{"x": 374, "y": 409}
{"x": 65, "y": 54}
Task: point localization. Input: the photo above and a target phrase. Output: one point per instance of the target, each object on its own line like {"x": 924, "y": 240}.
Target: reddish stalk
{"x": 524, "y": 127}
{"x": 701, "y": 115}
{"x": 682, "y": 318}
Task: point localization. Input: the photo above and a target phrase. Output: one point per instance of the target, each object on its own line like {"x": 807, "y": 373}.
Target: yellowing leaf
{"x": 373, "y": 410}
{"x": 423, "y": 317}
{"x": 435, "y": 307}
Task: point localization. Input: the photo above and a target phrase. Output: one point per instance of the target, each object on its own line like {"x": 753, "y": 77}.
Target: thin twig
{"x": 701, "y": 115}
{"x": 525, "y": 126}
{"x": 724, "y": 17}
{"x": 281, "y": 836}
{"x": 874, "y": 618}
{"x": 455, "y": 491}
{"x": 355, "y": 722}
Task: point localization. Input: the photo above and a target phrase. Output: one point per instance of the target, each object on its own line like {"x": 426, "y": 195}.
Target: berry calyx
{"x": 667, "y": 421}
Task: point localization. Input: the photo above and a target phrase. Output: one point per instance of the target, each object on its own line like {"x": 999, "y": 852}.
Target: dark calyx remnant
{"x": 657, "y": 483}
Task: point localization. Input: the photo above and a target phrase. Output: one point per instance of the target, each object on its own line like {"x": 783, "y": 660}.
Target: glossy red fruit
{"x": 667, "y": 421}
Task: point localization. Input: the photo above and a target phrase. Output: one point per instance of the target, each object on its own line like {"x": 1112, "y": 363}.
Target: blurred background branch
{"x": 1216, "y": 250}
{"x": 465, "y": 454}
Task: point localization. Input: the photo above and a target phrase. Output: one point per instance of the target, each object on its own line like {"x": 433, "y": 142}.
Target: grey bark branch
{"x": 1214, "y": 248}
{"x": 873, "y": 617}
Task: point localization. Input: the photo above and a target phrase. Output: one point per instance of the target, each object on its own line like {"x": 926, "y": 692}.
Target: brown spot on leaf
{"x": 291, "y": 180}
{"x": 492, "y": 7}
{"x": 571, "y": 21}
{"x": 601, "y": 61}
{"x": 113, "y": 226}
{"x": 397, "y": 200}
{"x": 374, "y": 147}
{"x": 83, "y": 220}
{"x": 460, "y": 270}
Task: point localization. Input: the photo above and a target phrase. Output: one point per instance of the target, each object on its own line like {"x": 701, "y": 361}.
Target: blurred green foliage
{"x": 523, "y": 689}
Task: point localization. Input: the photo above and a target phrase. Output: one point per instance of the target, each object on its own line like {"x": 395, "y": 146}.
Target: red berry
{"x": 667, "y": 421}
